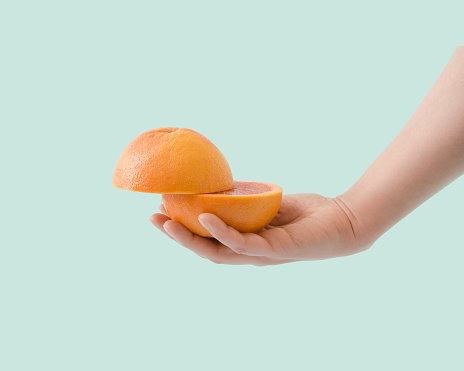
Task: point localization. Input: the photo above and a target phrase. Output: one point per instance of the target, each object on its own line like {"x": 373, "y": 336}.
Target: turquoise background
{"x": 302, "y": 94}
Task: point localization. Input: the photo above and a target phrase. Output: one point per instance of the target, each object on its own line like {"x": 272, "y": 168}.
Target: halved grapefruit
{"x": 172, "y": 160}
{"x": 248, "y": 206}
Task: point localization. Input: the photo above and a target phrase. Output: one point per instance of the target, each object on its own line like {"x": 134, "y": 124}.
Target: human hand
{"x": 307, "y": 227}
{"x": 425, "y": 157}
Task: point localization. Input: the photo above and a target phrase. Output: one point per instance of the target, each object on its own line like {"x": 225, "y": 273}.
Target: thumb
{"x": 289, "y": 210}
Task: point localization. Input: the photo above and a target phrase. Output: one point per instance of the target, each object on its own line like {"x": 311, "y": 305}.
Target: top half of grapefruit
{"x": 172, "y": 160}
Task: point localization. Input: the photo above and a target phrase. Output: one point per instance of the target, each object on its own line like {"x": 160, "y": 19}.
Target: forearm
{"x": 426, "y": 156}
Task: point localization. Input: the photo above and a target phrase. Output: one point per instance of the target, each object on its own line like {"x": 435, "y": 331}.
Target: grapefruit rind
{"x": 172, "y": 161}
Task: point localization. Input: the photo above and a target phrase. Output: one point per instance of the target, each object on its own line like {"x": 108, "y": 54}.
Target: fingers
{"x": 229, "y": 245}
{"x": 158, "y": 221}
{"x": 289, "y": 210}
{"x": 163, "y": 210}
{"x": 211, "y": 249}
{"x": 250, "y": 244}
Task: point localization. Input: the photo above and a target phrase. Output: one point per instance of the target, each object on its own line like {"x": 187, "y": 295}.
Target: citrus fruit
{"x": 172, "y": 160}
{"x": 247, "y": 207}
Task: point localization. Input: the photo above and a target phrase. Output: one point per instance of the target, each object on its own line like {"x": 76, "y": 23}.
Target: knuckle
{"x": 240, "y": 250}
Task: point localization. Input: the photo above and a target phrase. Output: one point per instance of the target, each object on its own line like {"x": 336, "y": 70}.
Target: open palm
{"x": 307, "y": 227}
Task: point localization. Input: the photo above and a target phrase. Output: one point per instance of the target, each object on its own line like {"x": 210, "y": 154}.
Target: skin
{"x": 426, "y": 156}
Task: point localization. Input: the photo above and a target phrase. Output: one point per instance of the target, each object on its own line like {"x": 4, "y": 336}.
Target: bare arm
{"x": 425, "y": 157}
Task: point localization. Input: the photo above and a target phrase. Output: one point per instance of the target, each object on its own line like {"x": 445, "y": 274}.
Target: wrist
{"x": 365, "y": 228}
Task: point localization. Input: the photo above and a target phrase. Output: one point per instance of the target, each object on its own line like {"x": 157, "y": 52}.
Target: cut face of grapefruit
{"x": 247, "y": 207}
{"x": 172, "y": 160}
{"x": 247, "y": 188}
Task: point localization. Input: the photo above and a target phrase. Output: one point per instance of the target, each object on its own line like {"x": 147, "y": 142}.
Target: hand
{"x": 307, "y": 227}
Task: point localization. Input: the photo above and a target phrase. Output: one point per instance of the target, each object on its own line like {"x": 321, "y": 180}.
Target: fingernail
{"x": 203, "y": 222}
{"x": 167, "y": 231}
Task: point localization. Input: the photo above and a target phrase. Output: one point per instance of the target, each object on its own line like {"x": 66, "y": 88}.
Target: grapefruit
{"x": 172, "y": 160}
{"x": 248, "y": 206}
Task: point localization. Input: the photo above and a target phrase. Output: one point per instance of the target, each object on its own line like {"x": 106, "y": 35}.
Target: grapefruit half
{"x": 247, "y": 207}
{"x": 172, "y": 160}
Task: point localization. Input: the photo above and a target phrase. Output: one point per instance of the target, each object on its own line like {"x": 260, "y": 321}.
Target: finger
{"x": 163, "y": 210}
{"x": 250, "y": 244}
{"x": 158, "y": 221}
{"x": 211, "y": 249}
{"x": 287, "y": 213}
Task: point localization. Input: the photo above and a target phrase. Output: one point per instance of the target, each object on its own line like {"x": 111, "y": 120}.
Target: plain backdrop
{"x": 297, "y": 93}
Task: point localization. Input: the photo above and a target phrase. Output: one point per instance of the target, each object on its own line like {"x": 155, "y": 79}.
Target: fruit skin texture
{"x": 244, "y": 212}
{"x": 172, "y": 160}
